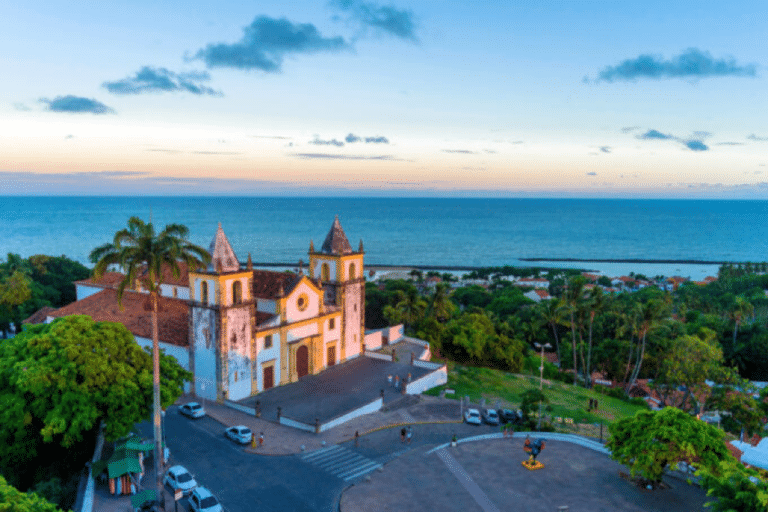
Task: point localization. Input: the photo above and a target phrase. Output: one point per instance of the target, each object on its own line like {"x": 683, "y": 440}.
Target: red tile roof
{"x": 108, "y": 280}
{"x": 267, "y": 283}
{"x": 135, "y": 315}
{"x": 39, "y": 316}
{"x": 262, "y": 317}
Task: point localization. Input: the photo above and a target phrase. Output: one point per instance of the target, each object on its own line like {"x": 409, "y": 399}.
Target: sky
{"x": 583, "y": 98}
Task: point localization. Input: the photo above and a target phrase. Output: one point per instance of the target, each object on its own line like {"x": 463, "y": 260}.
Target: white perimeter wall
{"x": 429, "y": 381}
{"x": 181, "y": 354}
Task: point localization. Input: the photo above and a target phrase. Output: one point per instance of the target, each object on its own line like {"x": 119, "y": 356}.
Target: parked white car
{"x": 178, "y": 477}
{"x": 473, "y": 416}
{"x": 240, "y": 434}
{"x": 192, "y": 409}
{"x": 202, "y": 500}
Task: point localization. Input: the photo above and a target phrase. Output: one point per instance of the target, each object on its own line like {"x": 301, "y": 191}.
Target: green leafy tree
{"x": 471, "y": 296}
{"x": 59, "y": 381}
{"x": 375, "y": 302}
{"x": 473, "y": 338}
{"x": 689, "y": 363}
{"x": 736, "y": 488}
{"x": 738, "y": 409}
{"x": 604, "y": 281}
{"x": 652, "y": 441}
{"x": 143, "y": 254}
{"x": 14, "y": 291}
{"x": 13, "y": 500}
{"x": 529, "y": 403}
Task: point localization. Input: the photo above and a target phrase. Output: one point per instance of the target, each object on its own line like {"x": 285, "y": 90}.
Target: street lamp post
{"x": 541, "y": 376}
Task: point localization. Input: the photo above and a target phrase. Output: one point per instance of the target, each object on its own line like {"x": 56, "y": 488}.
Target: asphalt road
{"x": 245, "y": 482}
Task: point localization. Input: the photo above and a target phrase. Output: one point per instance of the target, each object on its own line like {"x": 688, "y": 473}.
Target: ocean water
{"x": 439, "y": 232}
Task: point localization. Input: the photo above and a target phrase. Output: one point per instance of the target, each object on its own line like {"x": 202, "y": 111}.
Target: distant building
{"x": 537, "y": 295}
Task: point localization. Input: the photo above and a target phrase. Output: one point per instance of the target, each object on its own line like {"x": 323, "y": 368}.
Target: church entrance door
{"x": 269, "y": 377}
{"x": 302, "y": 361}
{"x": 332, "y": 355}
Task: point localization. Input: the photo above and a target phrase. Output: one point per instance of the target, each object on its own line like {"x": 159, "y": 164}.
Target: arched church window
{"x": 237, "y": 292}
{"x": 325, "y": 272}
{"x": 204, "y": 292}
{"x": 352, "y": 271}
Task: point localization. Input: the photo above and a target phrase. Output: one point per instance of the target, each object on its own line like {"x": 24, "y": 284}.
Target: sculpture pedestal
{"x": 532, "y": 464}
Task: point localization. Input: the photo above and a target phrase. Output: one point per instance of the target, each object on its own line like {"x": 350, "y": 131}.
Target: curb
{"x": 568, "y": 438}
{"x": 404, "y": 423}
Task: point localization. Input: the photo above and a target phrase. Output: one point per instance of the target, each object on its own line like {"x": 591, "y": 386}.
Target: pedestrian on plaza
{"x": 389, "y": 379}
{"x": 253, "y": 440}
{"x": 357, "y": 438}
{"x": 409, "y": 378}
{"x": 397, "y": 382}
{"x": 402, "y": 435}
{"x": 409, "y": 434}
{"x": 261, "y": 439}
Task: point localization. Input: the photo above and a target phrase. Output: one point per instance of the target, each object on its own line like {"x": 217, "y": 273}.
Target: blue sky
{"x": 347, "y": 97}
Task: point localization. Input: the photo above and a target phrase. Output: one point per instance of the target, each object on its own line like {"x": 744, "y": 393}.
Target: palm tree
{"x": 552, "y": 312}
{"x": 596, "y": 304}
{"x": 652, "y": 311}
{"x": 411, "y": 306}
{"x": 740, "y": 308}
{"x": 142, "y": 255}
{"x": 573, "y": 299}
{"x": 442, "y": 307}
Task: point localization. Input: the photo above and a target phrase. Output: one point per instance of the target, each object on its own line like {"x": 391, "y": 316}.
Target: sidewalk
{"x": 282, "y": 440}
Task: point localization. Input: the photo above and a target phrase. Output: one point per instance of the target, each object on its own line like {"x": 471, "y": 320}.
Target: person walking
{"x": 261, "y": 439}
{"x": 408, "y": 435}
{"x": 389, "y": 379}
{"x": 402, "y": 435}
{"x": 357, "y": 438}
{"x": 397, "y": 382}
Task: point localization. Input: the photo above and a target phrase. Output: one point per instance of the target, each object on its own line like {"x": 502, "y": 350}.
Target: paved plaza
{"x": 337, "y": 390}
{"x": 488, "y": 476}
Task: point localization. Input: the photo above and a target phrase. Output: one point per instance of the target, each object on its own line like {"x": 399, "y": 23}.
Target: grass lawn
{"x": 565, "y": 400}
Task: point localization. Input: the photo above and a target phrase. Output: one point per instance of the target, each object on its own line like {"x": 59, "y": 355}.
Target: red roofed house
{"x": 240, "y": 330}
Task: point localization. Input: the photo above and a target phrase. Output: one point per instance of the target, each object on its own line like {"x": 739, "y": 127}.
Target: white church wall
{"x": 239, "y": 357}
{"x": 181, "y": 354}
{"x": 205, "y": 352}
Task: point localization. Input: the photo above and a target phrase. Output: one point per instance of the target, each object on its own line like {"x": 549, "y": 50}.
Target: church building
{"x": 254, "y": 329}
{"x": 240, "y": 330}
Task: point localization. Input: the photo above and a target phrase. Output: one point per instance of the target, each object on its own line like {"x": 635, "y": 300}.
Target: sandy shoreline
{"x": 693, "y": 269}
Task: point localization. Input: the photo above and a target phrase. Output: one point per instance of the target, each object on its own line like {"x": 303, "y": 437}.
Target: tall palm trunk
{"x": 159, "y": 459}
{"x": 625, "y": 380}
{"x": 581, "y": 351}
{"x": 557, "y": 343}
{"x": 573, "y": 342}
{"x": 588, "y": 382}
{"x": 639, "y": 362}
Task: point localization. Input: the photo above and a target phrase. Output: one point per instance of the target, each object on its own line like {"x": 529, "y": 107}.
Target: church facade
{"x": 250, "y": 330}
{"x": 241, "y": 330}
